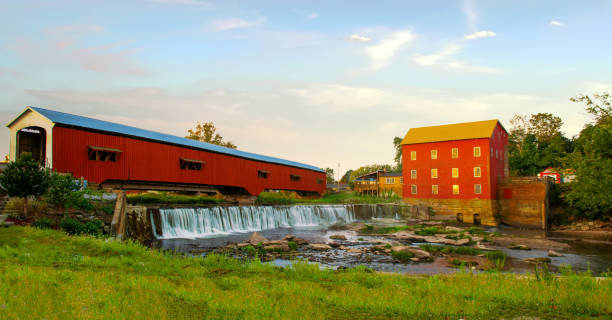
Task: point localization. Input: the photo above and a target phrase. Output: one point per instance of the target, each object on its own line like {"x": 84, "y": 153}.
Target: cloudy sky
{"x": 320, "y": 82}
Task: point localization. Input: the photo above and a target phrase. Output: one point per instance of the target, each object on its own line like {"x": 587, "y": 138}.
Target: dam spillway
{"x": 173, "y": 223}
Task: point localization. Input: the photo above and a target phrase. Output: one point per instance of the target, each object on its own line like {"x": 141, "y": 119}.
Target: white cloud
{"x": 340, "y": 97}
{"x": 471, "y": 15}
{"x": 183, "y": 2}
{"x": 360, "y": 38}
{"x": 556, "y": 23}
{"x": 433, "y": 59}
{"x": 234, "y": 23}
{"x": 312, "y": 16}
{"x": 443, "y": 59}
{"x": 381, "y": 53}
{"x": 480, "y": 34}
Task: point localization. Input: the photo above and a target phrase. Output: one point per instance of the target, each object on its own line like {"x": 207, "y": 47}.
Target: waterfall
{"x": 213, "y": 221}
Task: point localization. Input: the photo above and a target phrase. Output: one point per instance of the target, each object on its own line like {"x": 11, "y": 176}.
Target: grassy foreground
{"x": 48, "y": 274}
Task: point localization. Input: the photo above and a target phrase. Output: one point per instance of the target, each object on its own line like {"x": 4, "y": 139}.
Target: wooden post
{"x": 118, "y": 223}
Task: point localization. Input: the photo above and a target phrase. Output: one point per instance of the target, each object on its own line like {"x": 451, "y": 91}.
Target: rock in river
{"x": 338, "y": 237}
{"x": 421, "y": 254}
{"x": 552, "y": 253}
{"x": 319, "y": 246}
{"x": 256, "y": 238}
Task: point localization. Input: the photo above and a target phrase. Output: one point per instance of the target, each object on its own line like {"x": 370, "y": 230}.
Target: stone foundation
{"x": 523, "y": 202}
{"x": 450, "y": 208}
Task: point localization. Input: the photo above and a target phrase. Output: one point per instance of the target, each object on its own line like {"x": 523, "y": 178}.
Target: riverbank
{"x": 48, "y": 274}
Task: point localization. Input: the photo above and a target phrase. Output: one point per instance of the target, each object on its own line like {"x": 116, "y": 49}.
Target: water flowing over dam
{"x": 214, "y": 221}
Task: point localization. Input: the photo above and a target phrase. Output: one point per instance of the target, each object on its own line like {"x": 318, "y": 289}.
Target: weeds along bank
{"x": 48, "y": 274}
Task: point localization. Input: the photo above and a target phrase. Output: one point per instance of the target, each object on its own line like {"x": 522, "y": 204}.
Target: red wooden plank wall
{"x": 157, "y": 162}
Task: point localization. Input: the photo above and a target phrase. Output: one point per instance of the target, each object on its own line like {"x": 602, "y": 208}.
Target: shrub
{"x": 72, "y": 226}
{"x": 292, "y": 245}
{"x": 250, "y": 250}
{"x": 475, "y": 230}
{"x": 496, "y": 255}
{"x": 429, "y": 231}
{"x": 25, "y": 177}
{"x": 43, "y": 223}
{"x": 276, "y": 198}
{"x": 167, "y": 199}
{"x": 402, "y": 256}
{"x": 61, "y": 189}
{"x": 94, "y": 227}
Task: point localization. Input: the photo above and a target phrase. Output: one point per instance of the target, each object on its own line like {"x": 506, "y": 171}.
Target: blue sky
{"x": 321, "y": 82}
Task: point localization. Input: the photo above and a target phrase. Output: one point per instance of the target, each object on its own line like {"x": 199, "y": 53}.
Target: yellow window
{"x": 455, "y": 172}
{"x": 434, "y": 189}
{"x": 476, "y": 151}
{"x": 402, "y": 180}
{"x": 434, "y": 173}
{"x": 455, "y": 153}
{"x": 412, "y": 155}
{"x": 477, "y": 189}
{"x": 455, "y": 189}
{"x": 477, "y": 172}
{"x": 434, "y": 154}
{"x": 413, "y": 174}
{"x": 413, "y": 189}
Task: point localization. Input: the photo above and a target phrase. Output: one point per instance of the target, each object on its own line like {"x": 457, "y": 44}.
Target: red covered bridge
{"x": 118, "y": 156}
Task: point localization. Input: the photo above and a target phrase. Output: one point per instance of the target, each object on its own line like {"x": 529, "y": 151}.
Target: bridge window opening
{"x": 34, "y": 141}
{"x": 476, "y": 218}
{"x": 295, "y": 177}
{"x": 103, "y": 154}
{"x": 191, "y": 164}
{"x": 263, "y": 174}
{"x": 319, "y": 181}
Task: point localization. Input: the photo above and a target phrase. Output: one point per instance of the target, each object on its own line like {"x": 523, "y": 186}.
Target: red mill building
{"x": 461, "y": 170}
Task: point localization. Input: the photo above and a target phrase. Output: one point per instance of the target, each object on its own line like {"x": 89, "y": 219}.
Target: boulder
{"x": 300, "y": 241}
{"x": 449, "y": 228}
{"x": 289, "y": 237}
{"x": 538, "y": 260}
{"x": 483, "y": 247}
{"x": 518, "y": 247}
{"x": 354, "y": 251}
{"x": 277, "y": 248}
{"x": 335, "y": 244}
{"x": 319, "y": 246}
{"x": 414, "y": 259}
{"x": 274, "y": 242}
{"x": 242, "y": 245}
{"x": 338, "y": 237}
{"x": 552, "y": 253}
{"x": 421, "y": 254}
{"x": 256, "y": 238}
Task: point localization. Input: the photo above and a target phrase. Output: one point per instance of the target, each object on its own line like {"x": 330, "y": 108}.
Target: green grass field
{"x": 46, "y": 274}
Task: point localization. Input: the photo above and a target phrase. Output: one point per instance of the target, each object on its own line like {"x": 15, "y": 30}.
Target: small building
{"x": 379, "y": 183}
{"x": 559, "y": 176}
{"x": 455, "y": 168}
{"x": 391, "y": 184}
{"x": 551, "y": 173}
{"x": 368, "y": 183}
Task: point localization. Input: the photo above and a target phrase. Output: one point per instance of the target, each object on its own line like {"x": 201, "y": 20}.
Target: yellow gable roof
{"x": 450, "y": 132}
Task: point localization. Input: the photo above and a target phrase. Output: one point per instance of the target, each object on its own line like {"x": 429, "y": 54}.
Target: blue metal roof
{"x": 89, "y": 123}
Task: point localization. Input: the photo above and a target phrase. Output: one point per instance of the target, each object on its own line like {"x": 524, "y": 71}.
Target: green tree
{"x": 535, "y": 143}
{"x": 206, "y": 132}
{"x": 397, "y": 144}
{"x": 592, "y": 159}
{"x": 23, "y": 178}
{"x": 330, "y": 175}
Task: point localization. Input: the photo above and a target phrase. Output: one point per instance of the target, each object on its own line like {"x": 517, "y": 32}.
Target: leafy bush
{"x": 292, "y": 245}
{"x": 72, "y": 226}
{"x": 475, "y": 230}
{"x": 496, "y": 255}
{"x": 43, "y": 223}
{"x": 25, "y": 177}
{"x": 276, "y": 198}
{"x": 402, "y": 256}
{"x": 61, "y": 188}
{"x": 429, "y": 231}
{"x": 94, "y": 227}
{"x": 168, "y": 199}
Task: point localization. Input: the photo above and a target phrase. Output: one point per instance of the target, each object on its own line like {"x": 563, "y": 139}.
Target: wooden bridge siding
{"x": 153, "y": 161}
